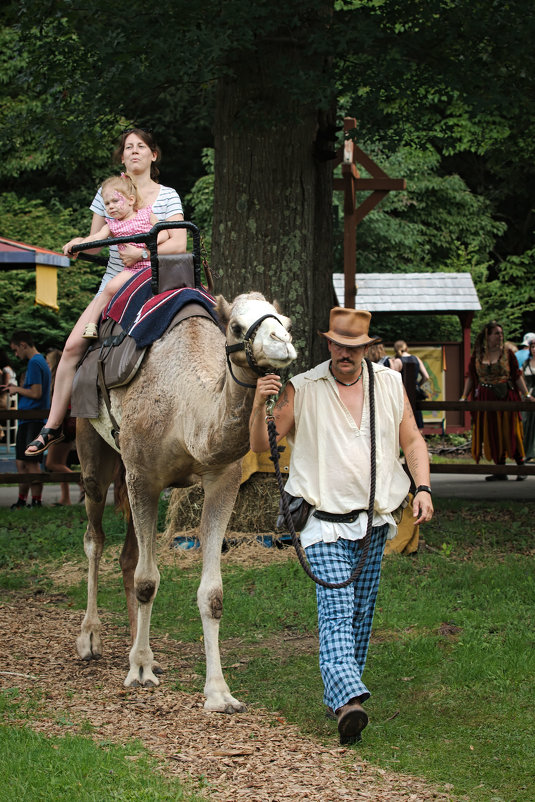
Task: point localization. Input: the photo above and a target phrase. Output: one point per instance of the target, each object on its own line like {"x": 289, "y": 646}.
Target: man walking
{"x": 34, "y": 394}
{"x": 326, "y": 414}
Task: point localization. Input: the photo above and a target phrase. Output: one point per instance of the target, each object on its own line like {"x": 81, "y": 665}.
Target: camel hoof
{"x": 229, "y": 706}
{"x": 89, "y": 646}
{"x": 239, "y": 708}
{"x": 138, "y": 678}
{"x": 157, "y": 669}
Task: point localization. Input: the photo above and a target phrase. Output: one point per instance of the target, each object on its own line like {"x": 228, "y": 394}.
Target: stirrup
{"x": 91, "y": 332}
{"x": 49, "y": 436}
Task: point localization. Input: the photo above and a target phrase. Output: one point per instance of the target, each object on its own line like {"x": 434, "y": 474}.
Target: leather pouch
{"x": 299, "y": 512}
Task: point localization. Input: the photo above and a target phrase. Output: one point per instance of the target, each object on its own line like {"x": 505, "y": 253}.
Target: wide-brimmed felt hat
{"x": 349, "y": 327}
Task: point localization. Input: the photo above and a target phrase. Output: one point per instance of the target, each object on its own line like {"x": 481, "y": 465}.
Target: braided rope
{"x": 272, "y": 434}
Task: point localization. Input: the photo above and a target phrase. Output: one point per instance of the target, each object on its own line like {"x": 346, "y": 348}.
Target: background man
{"x": 523, "y": 352}
{"x": 326, "y": 414}
{"x": 34, "y": 394}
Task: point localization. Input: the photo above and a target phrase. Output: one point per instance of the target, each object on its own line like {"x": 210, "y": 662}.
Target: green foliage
{"x": 509, "y": 297}
{"x": 436, "y": 80}
{"x": 46, "y": 225}
{"x": 426, "y": 226}
{"x": 201, "y": 199}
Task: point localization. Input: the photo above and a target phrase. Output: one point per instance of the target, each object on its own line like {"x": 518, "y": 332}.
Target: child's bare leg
{"x": 95, "y": 308}
{"x": 113, "y": 285}
{"x": 100, "y": 302}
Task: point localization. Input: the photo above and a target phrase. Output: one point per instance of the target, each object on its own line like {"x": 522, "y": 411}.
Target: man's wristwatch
{"x": 144, "y": 254}
{"x": 423, "y": 487}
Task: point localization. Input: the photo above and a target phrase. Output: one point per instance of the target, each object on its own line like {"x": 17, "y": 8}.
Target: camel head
{"x": 269, "y": 345}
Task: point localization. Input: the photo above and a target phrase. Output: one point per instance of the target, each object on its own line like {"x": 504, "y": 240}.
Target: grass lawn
{"x": 451, "y": 665}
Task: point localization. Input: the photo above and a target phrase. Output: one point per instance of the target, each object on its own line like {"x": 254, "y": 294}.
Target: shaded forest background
{"x": 443, "y": 92}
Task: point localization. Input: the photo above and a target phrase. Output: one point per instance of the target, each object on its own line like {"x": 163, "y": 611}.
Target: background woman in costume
{"x": 493, "y": 374}
{"x": 528, "y": 418}
{"x": 401, "y": 352}
{"x": 139, "y": 154}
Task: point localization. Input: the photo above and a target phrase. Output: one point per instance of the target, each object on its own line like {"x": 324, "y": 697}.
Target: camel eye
{"x": 289, "y": 328}
{"x": 236, "y": 329}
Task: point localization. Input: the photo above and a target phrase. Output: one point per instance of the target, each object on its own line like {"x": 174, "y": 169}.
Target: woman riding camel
{"x": 139, "y": 154}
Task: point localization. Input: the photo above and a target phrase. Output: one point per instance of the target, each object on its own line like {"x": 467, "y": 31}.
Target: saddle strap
{"x": 115, "y": 432}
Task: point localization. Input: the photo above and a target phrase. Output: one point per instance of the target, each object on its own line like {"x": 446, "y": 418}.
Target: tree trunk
{"x": 272, "y": 228}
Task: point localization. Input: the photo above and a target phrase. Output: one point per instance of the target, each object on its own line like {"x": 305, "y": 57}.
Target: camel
{"x": 183, "y": 417}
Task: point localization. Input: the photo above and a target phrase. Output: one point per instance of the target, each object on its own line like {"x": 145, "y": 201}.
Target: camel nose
{"x": 286, "y": 338}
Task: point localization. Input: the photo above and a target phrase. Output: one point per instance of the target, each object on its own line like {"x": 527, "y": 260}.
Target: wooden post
{"x": 380, "y": 185}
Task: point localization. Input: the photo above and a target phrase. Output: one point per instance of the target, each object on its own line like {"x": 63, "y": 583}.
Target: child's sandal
{"x": 91, "y": 332}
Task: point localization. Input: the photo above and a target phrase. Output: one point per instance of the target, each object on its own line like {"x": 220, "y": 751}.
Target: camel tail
{"x": 120, "y": 493}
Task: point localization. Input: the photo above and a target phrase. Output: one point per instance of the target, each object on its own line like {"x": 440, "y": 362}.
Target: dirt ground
{"x": 255, "y": 756}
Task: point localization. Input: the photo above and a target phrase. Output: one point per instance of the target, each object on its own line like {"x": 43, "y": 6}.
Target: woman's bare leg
{"x": 74, "y": 349}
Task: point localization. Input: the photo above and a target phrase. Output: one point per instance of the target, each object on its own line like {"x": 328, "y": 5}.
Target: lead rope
{"x": 272, "y": 434}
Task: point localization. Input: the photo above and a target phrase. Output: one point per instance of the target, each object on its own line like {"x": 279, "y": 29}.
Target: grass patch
{"x": 50, "y": 533}
{"x": 451, "y": 665}
{"x": 34, "y": 767}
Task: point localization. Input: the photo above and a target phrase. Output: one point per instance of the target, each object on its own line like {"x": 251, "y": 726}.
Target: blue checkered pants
{"x": 345, "y": 615}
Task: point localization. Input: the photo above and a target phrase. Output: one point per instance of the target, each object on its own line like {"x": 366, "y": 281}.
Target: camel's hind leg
{"x": 220, "y": 491}
{"x": 98, "y": 461}
{"x": 144, "y": 506}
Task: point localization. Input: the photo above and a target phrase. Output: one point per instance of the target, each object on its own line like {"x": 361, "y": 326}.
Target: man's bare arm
{"x": 415, "y": 450}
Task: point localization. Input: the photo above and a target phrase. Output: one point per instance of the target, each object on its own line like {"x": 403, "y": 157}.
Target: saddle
{"x": 114, "y": 359}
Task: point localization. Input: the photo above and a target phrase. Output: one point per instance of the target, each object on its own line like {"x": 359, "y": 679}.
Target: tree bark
{"x": 272, "y": 229}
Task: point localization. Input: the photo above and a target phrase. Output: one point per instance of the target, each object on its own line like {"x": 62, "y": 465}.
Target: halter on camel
{"x": 247, "y": 345}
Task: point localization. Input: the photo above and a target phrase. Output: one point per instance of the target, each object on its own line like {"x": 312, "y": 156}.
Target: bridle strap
{"x": 247, "y": 345}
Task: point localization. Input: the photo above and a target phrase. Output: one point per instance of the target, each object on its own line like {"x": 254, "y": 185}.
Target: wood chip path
{"x": 256, "y": 756}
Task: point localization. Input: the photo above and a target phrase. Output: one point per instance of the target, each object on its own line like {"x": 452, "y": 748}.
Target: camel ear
{"x": 278, "y": 309}
{"x": 223, "y": 310}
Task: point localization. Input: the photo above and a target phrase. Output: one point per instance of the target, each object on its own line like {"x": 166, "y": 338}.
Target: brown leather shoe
{"x": 352, "y": 718}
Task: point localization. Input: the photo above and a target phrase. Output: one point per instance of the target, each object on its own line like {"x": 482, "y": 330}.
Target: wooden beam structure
{"x": 379, "y": 185}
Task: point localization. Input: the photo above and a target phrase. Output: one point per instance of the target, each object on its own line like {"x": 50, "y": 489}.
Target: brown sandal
{"x": 48, "y": 438}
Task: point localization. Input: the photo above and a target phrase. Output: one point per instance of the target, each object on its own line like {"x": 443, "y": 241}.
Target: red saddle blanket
{"x": 145, "y": 316}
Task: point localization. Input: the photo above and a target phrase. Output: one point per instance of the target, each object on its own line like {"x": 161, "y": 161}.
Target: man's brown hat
{"x": 349, "y": 327}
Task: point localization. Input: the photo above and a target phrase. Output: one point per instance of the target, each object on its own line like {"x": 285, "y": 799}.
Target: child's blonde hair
{"x": 123, "y": 184}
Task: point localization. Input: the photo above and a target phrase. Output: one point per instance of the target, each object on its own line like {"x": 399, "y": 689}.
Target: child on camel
{"x": 124, "y": 217}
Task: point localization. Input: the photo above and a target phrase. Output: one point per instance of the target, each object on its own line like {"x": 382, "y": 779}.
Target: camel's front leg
{"x": 220, "y": 492}
{"x": 98, "y": 462}
{"x": 144, "y": 506}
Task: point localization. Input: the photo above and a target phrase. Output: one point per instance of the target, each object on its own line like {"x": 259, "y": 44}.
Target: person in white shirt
{"x": 325, "y": 412}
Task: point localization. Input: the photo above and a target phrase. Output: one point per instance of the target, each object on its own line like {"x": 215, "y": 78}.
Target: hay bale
{"x": 255, "y": 509}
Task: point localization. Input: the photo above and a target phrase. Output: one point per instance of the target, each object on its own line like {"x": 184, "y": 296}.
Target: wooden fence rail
{"x": 45, "y": 477}
{"x": 444, "y": 468}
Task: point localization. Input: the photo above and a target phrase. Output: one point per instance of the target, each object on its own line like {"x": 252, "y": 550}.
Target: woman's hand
{"x": 130, "y": 255}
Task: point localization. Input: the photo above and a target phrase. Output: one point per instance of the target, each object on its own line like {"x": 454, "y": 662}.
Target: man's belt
{"x": 338, "y": 518}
